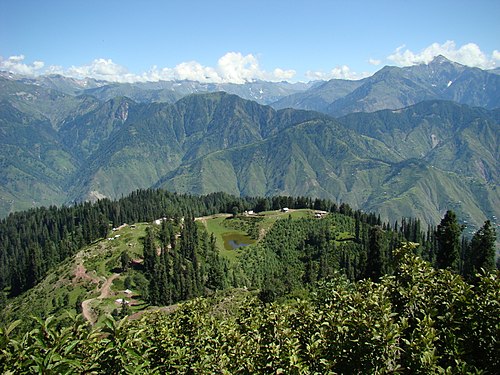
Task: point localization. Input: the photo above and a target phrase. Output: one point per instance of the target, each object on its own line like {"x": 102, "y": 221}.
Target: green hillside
{"x": 44, "y": 103}
{"x": 90, "y": 282}
{"x": 219, "y": 142}
{"x": 401, "y": 174}
{"x": 447, "y": 135}
{"x": 157, "y": 138}
{"x": 34, "y": 164}
{"x": 92, "y": 277}
{"x": 276, "y": 283}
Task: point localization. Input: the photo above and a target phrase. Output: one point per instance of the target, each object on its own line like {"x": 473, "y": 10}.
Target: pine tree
{"x": 124, "y": 309}
{"x": 125, "y": 261}
{"x": 448, "y": 242}
{"x": 482, "y": 249}
{"x": 377, "y": 259}
{"x": 149, "y": 252}
{"x": 357, "y": 229}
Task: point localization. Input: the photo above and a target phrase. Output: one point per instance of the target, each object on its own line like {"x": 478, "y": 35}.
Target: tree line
{"x": 32, "y": 242}
{"x": 184, "y": 268}
{"x": 297, "y": 253}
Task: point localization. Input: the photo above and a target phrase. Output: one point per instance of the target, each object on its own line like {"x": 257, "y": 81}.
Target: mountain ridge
{"x": 219, "y": 141}
{"x": 441, "y": 78}
{"x": 393, "y": 87}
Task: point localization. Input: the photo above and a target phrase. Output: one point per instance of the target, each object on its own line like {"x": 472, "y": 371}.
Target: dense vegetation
{"x": 32, "y": 242}
{"x": 340, "y": 293}
{"x": 183, "y": 269}
{"x": 421, "y": 320}
{"x": 293, "y": 253}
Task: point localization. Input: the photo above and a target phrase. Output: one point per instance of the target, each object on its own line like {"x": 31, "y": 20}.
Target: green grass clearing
{"x": 245, "y": 229}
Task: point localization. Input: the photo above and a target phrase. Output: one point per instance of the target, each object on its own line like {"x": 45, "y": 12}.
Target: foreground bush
{"x": 419, "y": 321}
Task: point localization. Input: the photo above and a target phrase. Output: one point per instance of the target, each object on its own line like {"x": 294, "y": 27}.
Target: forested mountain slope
{"x": 413, "y": 161}
{"x": 34, "y": 163}
{"x": 423, "y": 160}
{"x": 448, "y": 135}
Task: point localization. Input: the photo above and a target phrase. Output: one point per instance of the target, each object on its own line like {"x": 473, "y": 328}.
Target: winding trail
{"x": 87, "y": 312}
{"x": 106, "y": 288}
{"x": 105, "y": 292}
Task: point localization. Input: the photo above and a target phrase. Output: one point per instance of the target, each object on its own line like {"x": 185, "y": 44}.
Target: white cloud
{"x": 16, "y": 59}
{"x": 54, "y": 69}
{"x": 193, "y": 71}
{"x": 469, "y": 54}
{"x": 282, "y": 75}
{"x": 339, "y": 72}
{"x": 496, "y": 55}
{"x": 100, "y": 69}
{"x": 233, "y": 67}
{"x": 15, "y": 64}
{"x": 37, "y": 65}
{"x": 236, "y": 68}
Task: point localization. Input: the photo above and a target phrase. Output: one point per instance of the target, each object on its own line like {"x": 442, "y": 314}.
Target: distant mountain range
{"x": 389, "y": 88}
{"x": 262, "y": 92}
{"x": 393, "y": 88}
{"x": 65, "y": 140}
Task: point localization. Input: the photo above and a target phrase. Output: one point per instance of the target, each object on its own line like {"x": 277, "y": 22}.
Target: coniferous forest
{"x": 344, "y": 293}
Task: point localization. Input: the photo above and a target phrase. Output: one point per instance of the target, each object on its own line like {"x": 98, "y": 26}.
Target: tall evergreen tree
{"x": 482, "y": 249}
{"x": 357, "y": 228}
{"x": 125, "y": 261}
{"x": 376, "y": 263}
{"x": 149, "y": 252}
{"x": 448, "y": 242}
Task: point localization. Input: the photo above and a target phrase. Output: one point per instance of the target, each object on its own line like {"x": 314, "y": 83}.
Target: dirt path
{"x": 106, "y": 288}
{"x": 87, "y": 311}
{"x": 105, "y": 292}
{"x": 81, "y": 273}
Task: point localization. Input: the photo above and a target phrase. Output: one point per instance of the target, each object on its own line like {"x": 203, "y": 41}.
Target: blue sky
{"x": 234, "y": 41}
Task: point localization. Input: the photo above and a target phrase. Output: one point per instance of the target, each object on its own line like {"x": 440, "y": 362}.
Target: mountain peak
{"x": 440, "y": 59}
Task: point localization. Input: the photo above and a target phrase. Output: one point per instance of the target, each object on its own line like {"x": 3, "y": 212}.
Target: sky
{"x": 238, "y": 41}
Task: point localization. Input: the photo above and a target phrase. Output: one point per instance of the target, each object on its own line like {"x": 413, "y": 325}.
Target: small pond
{"x": 236, "y": 240}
